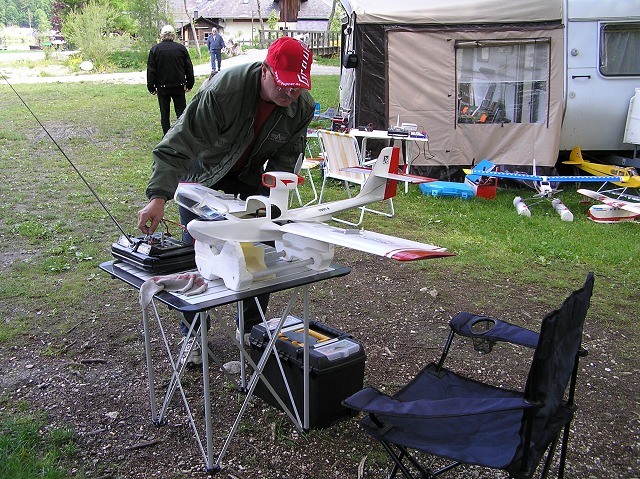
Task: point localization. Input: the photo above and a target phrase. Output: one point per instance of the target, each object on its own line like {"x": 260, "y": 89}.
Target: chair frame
{"x": 529, "y": 454}
{"x": 340, "y": 150}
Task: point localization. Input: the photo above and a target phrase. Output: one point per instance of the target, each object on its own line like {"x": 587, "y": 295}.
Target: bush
{"x": 129, "y": 59}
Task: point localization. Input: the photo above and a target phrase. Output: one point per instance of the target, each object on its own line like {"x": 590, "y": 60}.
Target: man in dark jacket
{"x": 249, "y": 119}
{"x": 215, "y": 43}
{"x": 169, "y": 75}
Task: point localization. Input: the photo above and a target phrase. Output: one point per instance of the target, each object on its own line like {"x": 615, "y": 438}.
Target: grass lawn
{"x": 55, "y": 234}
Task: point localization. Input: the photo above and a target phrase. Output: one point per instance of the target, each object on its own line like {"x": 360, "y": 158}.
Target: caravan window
{"x": 620, "y": 49}
{"x": 502, "y": 81}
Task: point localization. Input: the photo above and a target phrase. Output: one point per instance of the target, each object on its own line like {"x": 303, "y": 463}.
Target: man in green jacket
{"x": 247, "y": 120}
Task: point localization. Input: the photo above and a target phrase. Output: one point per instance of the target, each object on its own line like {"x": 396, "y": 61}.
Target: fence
{"x": 322, "y": 43}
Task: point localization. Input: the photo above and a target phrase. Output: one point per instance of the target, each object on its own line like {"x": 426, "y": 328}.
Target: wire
{"x": 69, "y": 160}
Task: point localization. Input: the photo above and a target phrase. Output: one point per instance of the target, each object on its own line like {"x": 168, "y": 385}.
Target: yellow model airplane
{"x": 630, "y": 177}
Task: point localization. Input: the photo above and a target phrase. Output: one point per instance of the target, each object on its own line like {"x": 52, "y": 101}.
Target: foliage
{"x": 129, "y": 59}
{"x": 336, "y": 20}
{"x": 150, "y": 16}
{"x": 90, "y": 30}
{"x": 273, "y": 20}
{"x": 29, "y": 450}
{"x": 26, "y": 13}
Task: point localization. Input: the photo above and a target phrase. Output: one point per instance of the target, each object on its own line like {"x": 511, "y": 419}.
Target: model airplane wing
{"x": 623, "y": 205}
{"x": 205, "y": 202}
{"x": 391, "y": 176}
{"x": 367, "y": 241}
{"x": 553, "y": 179}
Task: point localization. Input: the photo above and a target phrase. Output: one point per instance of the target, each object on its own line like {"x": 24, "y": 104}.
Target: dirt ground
{"x": 97, "y": 381}
{"x": 92, "y": 377}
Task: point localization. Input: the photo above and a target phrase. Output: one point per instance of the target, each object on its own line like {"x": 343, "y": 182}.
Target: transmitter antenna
{"x": 126, "y": 235}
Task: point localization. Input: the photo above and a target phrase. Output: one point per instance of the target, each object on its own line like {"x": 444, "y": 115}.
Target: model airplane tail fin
{"x": 575, "y": 158}
{"x": 382, "y": 179}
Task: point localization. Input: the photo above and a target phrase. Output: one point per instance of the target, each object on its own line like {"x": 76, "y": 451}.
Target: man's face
{"x": 273, "y": 93}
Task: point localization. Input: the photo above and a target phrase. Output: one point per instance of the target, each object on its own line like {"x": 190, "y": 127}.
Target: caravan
{"x": 511, "y": 81}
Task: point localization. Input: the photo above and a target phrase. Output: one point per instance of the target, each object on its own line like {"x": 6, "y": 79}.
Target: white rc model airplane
{"x": 612, "y": 210}
{"x": 228, "y": 228}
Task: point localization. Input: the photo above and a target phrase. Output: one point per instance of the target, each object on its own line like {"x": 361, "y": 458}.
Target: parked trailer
{"x": 603, "y": 69}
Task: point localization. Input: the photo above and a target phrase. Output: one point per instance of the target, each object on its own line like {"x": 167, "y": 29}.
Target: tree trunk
{"x": 261, "y": 22}
{"x": 333, "y": 12}
{"x": 193, "y": 29}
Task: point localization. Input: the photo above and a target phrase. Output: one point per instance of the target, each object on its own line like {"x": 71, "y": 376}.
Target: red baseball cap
{"x": 290, "y": 60}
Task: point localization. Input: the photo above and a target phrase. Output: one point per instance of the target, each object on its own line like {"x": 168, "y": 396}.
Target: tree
{"x": 273, "y": 20}
{"x": 12, "y": 15}
{"x": 90, "y": 29}
{"x": 337, "y": 11}
{"x": 260, "y": 15}
{"x": 150, "y": 15}
{"x": 41, "y": 21}
{"x": 192, "y": 22}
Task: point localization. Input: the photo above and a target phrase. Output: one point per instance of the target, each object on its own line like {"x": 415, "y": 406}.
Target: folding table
{"x": 292, "y": 276}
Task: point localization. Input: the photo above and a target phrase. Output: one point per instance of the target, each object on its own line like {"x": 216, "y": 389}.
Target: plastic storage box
{"x": 446, "y": 188}
{"x": 336, "y": 368}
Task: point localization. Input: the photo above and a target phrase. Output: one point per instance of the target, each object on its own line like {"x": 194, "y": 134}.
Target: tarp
{"x": 415, "y": 12}
{"x": 407, "y": 70}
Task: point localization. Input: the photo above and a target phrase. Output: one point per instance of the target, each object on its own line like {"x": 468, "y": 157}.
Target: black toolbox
{"x": 336, "y": 368}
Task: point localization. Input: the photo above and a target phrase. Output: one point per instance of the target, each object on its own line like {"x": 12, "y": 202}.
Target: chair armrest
{"x": 463, "y": 324}
{"x": 370, "y": 400}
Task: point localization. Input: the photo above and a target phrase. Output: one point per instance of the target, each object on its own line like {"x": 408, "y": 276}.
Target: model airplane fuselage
{"x": 299, "y": 233}
{"x": 629, "y": 176}
{"x": 612, "y": 210}
{"x": 542, "y": 183}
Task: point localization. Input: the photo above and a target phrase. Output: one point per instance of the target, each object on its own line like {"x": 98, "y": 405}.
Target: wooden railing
{"x": 322, "y": 43}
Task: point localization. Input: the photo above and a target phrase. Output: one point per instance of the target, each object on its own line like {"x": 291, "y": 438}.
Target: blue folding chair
{"x": 445, "y": 414}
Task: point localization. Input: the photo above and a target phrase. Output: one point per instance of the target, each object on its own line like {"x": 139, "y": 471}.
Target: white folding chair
{"x": 306, "y": 165}
{"x": 340, "y": 151}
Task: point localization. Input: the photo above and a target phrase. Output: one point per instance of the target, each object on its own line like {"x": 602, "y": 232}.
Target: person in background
{"x": 249, "y": 119}
{"x": 169, "y": 75}
{"x": 215, "y": 44}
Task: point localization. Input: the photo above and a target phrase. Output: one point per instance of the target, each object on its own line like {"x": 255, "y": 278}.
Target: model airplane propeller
{"x": 228, "y": 229}
{"x": 542, "y": 184}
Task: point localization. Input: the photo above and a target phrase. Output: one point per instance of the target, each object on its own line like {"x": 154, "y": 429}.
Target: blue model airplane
{"x": 542, "y": 185}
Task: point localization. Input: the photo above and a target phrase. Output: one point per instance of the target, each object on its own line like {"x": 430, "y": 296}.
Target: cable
{"x": 69, "y": 160}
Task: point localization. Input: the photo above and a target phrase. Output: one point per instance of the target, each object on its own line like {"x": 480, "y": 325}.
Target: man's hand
{"x": 150, "y": 216}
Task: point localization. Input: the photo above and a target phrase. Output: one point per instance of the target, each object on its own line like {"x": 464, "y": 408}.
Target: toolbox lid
{"x": 338, "y": 349}
{"x": 290, "y": 321}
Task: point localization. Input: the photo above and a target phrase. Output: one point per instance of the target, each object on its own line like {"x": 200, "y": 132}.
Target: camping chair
{"x": 466, "y": 421}
{"x": 306, "y": 165}
{"x": 340, "y": 151}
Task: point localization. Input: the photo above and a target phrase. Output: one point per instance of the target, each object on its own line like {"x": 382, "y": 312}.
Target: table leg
{"x": 147, "y": 349}
{"x": 205, "y": 386}
{"x": 305, "y": 355}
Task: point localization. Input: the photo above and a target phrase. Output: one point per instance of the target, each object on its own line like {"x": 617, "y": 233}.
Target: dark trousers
{"x": 165, "y": 96}
{"x": 250, "y": 309}
{"x": 216, "y": 57}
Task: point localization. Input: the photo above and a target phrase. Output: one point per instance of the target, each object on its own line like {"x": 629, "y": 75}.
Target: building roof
{"x": 248, "y": 9}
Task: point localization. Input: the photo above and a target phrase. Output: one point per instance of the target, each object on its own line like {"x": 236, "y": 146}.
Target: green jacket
{"x": 217, "y": 127}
